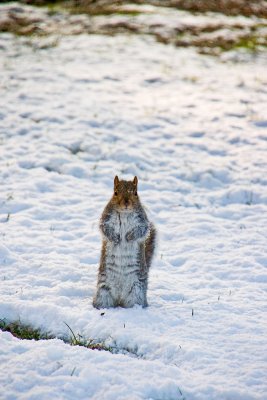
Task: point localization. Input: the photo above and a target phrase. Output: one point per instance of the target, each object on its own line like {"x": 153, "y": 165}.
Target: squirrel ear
{"x": 116, "y": 181}
{"x": 135, "y": 181}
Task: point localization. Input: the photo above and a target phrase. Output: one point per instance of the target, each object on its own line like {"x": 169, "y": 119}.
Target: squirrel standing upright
{"x": 127, "y": 249}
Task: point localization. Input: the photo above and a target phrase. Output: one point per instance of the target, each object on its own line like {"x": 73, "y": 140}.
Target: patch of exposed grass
{"x": 228, "y": 7}
{"x": 213, "y": 38}
{"x": 23, "y": 331}
{"x": 27, "y": 332}
{"x": 92, "y": 8}
{"x": 130, "y": 13}
{"x": 251, "y": 43}
{"x": 98, "y": 10}
{"x": 78, "y": 340}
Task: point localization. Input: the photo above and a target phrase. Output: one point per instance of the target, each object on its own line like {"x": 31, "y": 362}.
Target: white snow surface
{"x": 194, "y": 131}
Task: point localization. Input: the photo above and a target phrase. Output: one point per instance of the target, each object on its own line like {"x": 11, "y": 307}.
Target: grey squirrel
{"x": 127, "y": 249}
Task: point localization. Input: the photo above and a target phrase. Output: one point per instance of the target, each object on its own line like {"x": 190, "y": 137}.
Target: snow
{"x": 193, "y": 129}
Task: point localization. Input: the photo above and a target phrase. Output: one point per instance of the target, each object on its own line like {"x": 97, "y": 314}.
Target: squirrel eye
{"x": 115, "y": 193}
{"x": 135, "y": 193}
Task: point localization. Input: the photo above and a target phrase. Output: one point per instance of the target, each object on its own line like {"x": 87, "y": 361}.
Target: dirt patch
{"x": 209, "y": 33}
{"x": 228, "y": 7}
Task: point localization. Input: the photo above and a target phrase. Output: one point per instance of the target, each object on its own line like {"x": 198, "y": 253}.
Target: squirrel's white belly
{"x": 122, "y": 260}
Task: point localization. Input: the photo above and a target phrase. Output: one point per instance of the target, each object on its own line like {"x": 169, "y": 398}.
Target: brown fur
{"x": 127, "y": 250}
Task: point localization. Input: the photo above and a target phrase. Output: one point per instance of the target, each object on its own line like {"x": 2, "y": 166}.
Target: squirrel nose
{"x": 126, "y": 202}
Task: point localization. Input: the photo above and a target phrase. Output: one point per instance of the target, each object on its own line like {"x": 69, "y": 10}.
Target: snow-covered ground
{"x": 194, "y": 131}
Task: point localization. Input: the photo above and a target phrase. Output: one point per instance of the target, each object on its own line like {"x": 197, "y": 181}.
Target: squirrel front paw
{"x": 117, "y": 238}
{"x": 130, "y": 236}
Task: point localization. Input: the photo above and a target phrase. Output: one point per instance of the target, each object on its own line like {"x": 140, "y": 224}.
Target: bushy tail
{"x": 150, "y": 245}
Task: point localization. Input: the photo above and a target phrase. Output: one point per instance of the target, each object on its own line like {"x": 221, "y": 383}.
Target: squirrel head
{"x": 125, "y": 196}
